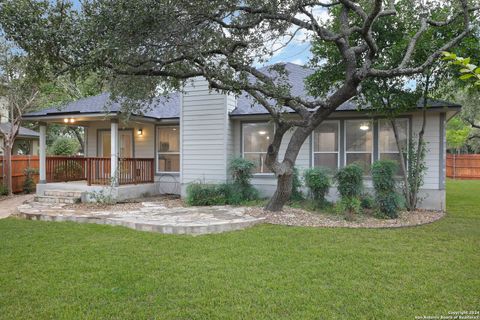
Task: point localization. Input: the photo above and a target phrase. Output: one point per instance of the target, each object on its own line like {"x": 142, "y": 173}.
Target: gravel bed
{"x": 167, "y": 201}
{"x": 298, "y": 217}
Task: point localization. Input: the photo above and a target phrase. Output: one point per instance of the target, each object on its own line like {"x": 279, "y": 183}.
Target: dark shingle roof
{"x": 169, "y": 107}
{"x": 160, "y": 108}
{"x": 22, "y": 132}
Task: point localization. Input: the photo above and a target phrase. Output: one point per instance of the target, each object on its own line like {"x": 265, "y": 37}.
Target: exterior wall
{"x": 433, "y": 190}
{"x": 143, "y": 146}
{"x": 205, "y": 134}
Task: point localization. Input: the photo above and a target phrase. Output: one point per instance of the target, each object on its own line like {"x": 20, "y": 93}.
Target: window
{"x": 387, "y": 145}
{"x": 168, "y": 149}
{"x": 325, "y": 145}
{"x": 359, "y": 143}
{"x": 256, "y": 139}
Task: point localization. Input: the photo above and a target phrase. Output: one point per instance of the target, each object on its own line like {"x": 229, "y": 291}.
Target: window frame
{"x": 339, "y": 146}
{"x": 379, "y": 151}
{"x": 157, "y": 152}
{"x": 242, "y": 125}
{"x": 346, "y": 152}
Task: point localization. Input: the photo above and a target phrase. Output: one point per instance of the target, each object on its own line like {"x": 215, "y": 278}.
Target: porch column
{"x": 114, "y": 151}
{"x": 43, "y": 153}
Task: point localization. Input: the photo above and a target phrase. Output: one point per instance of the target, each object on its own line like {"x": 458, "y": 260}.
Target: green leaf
{"x": 477, "y": 71}
{"x": 464, "y": 70}
{"x": 466, "y": 76}
{"x": 466, "y": 60}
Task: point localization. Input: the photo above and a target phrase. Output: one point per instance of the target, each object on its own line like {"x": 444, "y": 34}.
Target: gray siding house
{"x": 191, "y": 136}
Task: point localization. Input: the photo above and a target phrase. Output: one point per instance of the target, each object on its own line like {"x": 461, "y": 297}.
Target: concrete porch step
{"x": 57, "y": 199}
{"x": 63, "y": 193}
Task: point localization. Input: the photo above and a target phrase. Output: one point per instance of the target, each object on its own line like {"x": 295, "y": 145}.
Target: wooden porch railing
{"x": 96, "y": 170}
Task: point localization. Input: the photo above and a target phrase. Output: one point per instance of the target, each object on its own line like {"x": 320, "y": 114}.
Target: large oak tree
{"x": 145, "y": 45}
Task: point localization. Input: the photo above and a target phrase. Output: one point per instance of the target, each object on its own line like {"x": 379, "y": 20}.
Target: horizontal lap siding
{"x": 432, "y": 139}
{"x": 204, "y": 138}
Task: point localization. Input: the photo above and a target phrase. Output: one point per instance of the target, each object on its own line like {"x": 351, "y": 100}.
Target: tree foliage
{"x": 141, "y": 46}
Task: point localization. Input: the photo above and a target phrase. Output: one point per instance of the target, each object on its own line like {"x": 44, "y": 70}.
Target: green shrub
{"x": 367, "y": 201}
{"x": 318, "y": 182}
{"x": 3, "y": 190}
{"x": 72, "y": 168}
{"x": 202, "y": 194}
{"x": 64, "y": 146}
{"x": 297, "y": 194}
{"x": 386, "y": 197}
{"x": 242, "y": 172}
{"x": 349, "y": 206}
{"x": 350, "y": 181}
{"x": 29, "y": 183}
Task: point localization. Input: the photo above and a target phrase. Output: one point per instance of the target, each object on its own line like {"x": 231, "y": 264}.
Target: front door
{"x": 125, "y": 144}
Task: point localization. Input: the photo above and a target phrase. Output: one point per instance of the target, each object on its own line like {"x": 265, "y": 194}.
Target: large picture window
{"x": 256, "y": 139}
{"x": 359, "y": 143}
{"x": 168, "y": 149}
{"x": 387, "y": 145}
{"x": 326, "y": 146}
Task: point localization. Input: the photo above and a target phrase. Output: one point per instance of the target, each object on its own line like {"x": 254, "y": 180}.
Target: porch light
{"x": 262, "y": 132}
{"x": 364, "y": 127}
{"x": 65, "y": 120}
{"x": 140, "y": 131}
{"x": 71, "y": 120}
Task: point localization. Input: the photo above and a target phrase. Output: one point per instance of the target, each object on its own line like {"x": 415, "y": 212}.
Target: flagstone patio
{"x": 150, "y": 216}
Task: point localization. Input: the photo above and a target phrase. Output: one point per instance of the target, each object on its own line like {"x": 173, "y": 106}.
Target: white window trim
{"x": 393, "y": 152}
{"x": 157, "y": 153}
{"x": 327, "y": 152}
{"x": 257, "y": 174}
{"x": 358, "y": 152}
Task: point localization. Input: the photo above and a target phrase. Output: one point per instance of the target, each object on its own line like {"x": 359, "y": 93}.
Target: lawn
{"x": 78, "y": 271}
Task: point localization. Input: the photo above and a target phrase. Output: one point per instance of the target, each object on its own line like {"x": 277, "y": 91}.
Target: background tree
{"x": 19, "y": 92}
{"x": 143, "y": 46}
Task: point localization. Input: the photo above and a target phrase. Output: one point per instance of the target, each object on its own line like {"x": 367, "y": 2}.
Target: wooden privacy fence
{"x": 463, "y": 166}
{"x": 19, "y": 164}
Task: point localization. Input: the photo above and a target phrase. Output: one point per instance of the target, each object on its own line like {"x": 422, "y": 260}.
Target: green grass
{"x": 79, "y": 271}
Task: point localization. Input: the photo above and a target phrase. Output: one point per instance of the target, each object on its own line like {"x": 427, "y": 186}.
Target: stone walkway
{"x": 151, "y": 216}
{"x": 9, "y": 206}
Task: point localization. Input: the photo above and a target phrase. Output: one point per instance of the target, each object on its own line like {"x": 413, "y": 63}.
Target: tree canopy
{"x": 148, "y": 47}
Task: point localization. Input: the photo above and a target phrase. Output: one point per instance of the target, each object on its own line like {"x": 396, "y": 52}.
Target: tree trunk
{"x": 403, "y": 166}
{"x": 8, "y": 166}
{"x": 284, "y": 170}
{"x": 282, "y": 193}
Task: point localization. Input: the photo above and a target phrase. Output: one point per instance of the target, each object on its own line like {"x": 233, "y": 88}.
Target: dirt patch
{"x": 134, "y": 204}
{"x": 298, "y": 217}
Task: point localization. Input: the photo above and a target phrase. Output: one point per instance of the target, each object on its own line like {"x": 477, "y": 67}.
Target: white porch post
{"x": 43, "y": 153}
{"x": 114, "y": 151}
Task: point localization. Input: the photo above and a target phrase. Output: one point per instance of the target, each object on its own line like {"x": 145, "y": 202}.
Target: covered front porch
{"x": 119, "y": 157}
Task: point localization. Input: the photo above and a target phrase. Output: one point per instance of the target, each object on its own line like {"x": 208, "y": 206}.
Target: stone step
{"x": 63, "y": 193}
{"x": 57, "y": 199}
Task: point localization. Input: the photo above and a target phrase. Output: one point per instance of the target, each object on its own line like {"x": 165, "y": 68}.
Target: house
{"x": 190, "y": 137}
{"x": 26, "y": 142}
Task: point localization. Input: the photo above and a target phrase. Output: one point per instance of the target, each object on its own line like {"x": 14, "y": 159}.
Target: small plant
{"x": 350, "y": 181}
{"x": 349, "y": 206}
{"x": 3, "y": 190}
{"x": 297, "y": 194}
{"x": 386, "y": 197}
{"x": 242, "y": 172}
{"x": 318, "y": 182}
{"x": 102, "y": 197}
{"x": 350, "y": 187}
{"x": 367, "y": 201}
{"x": 202, "y": 194}
{"x": 29, "y": 183}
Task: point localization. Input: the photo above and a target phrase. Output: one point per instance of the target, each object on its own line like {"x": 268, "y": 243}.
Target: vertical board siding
{"x": 19, "y": 164}
{"x": 205, "y": 133}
